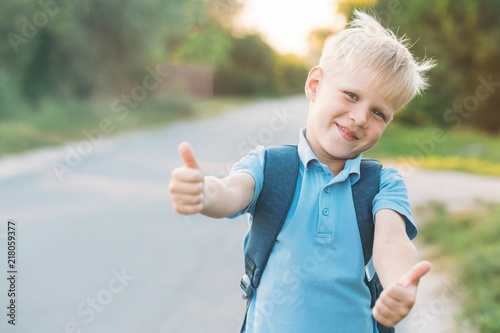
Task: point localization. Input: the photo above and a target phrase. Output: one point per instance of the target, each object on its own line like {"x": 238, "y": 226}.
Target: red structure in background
{"x": 186, "y": 80}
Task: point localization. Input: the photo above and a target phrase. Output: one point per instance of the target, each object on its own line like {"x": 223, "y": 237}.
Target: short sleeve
{"x": 253, "y": 164}
{"x": 394, "y": 195}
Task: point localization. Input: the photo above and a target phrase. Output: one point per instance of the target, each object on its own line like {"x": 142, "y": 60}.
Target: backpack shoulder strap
{"x": 280, "y": 178}
{"x": 363, "y": 193}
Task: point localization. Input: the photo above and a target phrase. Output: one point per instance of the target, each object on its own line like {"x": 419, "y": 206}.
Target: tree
{"x": 76, "y": 49}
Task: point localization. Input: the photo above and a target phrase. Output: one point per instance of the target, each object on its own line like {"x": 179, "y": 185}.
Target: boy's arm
{"x": 395, "y": 261}
{"x": 228, "y": 196}
{"x": 393, "y": 252}
{"x": 194, "y": 193}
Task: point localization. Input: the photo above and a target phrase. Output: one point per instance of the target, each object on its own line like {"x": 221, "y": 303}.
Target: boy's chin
{"x": 344, "y": 155}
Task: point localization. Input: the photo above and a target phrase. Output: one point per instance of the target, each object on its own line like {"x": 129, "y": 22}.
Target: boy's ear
{"x": 312, "y": 82}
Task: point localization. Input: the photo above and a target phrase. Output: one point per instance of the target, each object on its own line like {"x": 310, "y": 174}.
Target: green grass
{"x": 468, "y": 242}
{"x": 54, "y": 123}
{"x": 461, "y": 149}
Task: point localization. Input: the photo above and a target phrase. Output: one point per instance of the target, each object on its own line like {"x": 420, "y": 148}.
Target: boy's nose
{"x": 360, "y": 117}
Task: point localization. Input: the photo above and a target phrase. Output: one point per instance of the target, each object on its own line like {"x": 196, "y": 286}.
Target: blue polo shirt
{"x": 314, "y": 279}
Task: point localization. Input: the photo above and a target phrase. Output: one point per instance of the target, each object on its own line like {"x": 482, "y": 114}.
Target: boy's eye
{"x": 351, "y": 95}
{"x": 378, "y": 113}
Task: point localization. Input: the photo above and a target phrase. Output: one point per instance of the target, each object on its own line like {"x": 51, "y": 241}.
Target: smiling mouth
{"x": 348, "y": 132}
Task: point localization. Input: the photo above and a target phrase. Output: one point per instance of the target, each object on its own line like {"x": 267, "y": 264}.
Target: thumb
{"x": 414, "y": 275}
{"x": 187, "y": 155}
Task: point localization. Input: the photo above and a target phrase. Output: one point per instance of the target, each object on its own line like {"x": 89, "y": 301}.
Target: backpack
{"x": 281, "y": 170}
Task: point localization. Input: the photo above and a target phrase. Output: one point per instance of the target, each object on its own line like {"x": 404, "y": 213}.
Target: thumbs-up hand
{"x": 396, "y": 301}
{"x": 187, "y": 183}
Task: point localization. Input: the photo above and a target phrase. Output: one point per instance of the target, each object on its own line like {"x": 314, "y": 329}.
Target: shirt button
{"x": 320, "y": 169}
{"x": 327, "y": 190}
{"x": 325, "y": 212}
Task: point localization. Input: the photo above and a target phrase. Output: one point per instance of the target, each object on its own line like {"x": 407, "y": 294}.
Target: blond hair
{"x": 366, "y": 44}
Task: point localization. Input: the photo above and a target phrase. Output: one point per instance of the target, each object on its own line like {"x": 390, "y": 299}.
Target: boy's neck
{"x": 334, "y": 165}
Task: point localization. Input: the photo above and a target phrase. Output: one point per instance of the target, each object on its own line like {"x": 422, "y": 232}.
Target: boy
{"x": 314, "y": 279}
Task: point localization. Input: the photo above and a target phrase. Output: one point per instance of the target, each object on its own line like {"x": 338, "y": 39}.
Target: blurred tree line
{"x": 61, "y": 49}
{"x": 76, "y": 50}
{"x": 464, "y": 37}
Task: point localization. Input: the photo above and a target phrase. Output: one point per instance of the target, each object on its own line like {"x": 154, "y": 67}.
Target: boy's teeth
{"x": 352, "y": 136}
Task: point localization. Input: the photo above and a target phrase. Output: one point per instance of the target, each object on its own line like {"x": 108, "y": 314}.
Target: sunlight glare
{"x": 286, "y": 24}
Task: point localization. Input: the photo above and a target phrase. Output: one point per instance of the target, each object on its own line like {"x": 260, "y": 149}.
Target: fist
{"x": 187, "y": 183}
{"x": 396, "y": 301}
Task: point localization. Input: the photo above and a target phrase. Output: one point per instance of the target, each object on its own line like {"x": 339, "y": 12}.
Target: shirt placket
{"x": 325, "y": 207}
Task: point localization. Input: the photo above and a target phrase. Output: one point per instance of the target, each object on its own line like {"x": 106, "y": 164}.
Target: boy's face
{"x": 347, "y": 114}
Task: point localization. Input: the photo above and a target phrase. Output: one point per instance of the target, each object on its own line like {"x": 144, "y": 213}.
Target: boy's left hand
{"x": 396, "y": 301}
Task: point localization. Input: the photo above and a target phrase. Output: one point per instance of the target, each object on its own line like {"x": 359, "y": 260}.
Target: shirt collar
{"x": 306, "y": 155}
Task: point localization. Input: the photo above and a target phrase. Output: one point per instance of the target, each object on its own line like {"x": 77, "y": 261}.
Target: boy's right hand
{"x": 187, "y": 183}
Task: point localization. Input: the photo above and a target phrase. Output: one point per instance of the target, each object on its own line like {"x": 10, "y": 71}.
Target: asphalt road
{"x": 100, "y": 249}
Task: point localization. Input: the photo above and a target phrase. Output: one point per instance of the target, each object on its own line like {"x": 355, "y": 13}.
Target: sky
{"x": 285, "y": 24}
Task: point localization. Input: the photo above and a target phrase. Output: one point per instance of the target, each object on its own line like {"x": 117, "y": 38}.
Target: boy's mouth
{"x": 347, "y": 133}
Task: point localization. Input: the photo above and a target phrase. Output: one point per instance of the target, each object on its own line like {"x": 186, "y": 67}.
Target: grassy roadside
{"x": 57, "y": 123}
{"x": 429, "y": 147}
{"x": 467, "y": 244}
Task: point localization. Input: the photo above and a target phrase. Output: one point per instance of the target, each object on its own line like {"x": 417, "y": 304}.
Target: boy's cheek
{"x": 378, "y": 135}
